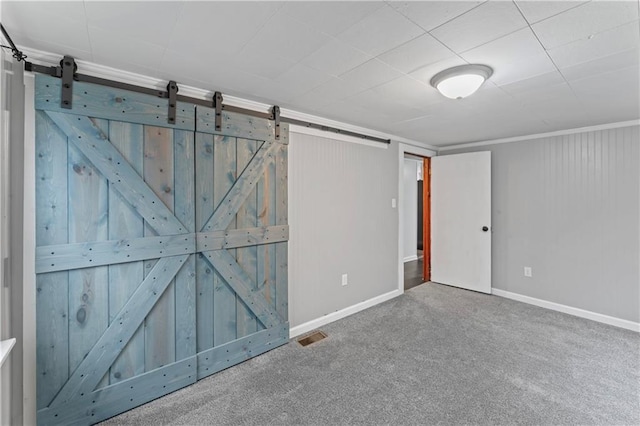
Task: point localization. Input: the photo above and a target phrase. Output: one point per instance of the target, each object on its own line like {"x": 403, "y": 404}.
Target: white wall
{"x": 410, "y": 200}
{"x": 341, "y": 222}
{"x": 568, "y": 206}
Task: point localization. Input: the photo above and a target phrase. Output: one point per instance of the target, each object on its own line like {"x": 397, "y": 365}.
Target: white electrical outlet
{"x": 345, "y": 279}
{"x": 393, "y": 203}
{"x": 527, "y": 271}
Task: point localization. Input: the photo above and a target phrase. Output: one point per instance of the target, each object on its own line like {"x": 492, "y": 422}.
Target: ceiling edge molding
{"x": 597, "y": 127}
{"x": 102, "y": 71}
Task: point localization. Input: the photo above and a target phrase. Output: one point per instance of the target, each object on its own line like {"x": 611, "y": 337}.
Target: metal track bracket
{"x": 217, "y": 104}
{"x": 275, "y": 113}
{"x": 172, "y": 89}
{"x": 69, "y": 68}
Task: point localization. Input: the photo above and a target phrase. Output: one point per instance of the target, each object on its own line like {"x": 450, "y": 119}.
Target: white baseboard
{"x": 617, "y": 322}
{"x": 411, "y": 258}
{"x": 334, "y": 316}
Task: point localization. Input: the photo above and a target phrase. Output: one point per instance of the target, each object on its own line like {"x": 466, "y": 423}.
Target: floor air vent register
{"x": 316, "y": 336}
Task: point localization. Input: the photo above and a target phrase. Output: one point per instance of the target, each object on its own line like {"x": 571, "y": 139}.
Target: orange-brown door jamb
{"x": 426, "y": 219}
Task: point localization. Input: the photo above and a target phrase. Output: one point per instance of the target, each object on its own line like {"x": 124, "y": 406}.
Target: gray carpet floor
{"x": 436, "y": 355}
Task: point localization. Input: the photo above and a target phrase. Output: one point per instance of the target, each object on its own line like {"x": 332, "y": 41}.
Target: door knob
{"x": 485, "y": 228}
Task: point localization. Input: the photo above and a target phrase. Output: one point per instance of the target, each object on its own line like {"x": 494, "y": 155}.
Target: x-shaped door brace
{"x": 173, "y": 247}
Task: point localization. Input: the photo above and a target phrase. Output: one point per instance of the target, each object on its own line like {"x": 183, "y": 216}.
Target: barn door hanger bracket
{"x": 275, "y": 116}
{"x": 172, "y": 90}
{"x": 217, "y": 104}
{"x": 69, "y": 68}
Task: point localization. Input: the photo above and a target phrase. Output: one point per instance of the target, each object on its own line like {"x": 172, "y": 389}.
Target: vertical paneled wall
{"x": 568, "y": 206}
{"x": 341, "y": 222}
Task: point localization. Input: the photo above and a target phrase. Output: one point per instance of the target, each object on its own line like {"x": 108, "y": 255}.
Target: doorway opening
{"x": 416, "y": 230}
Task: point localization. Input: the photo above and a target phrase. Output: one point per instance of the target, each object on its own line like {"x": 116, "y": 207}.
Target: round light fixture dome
{"x": 460, "y": 82}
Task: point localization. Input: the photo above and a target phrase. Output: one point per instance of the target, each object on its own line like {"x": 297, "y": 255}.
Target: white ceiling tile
{"x": 407, "y": 91}
{"x": 336, "y": 58}
{"x": 380, "y": 31}
{"x": 581, "y": 22}
{"x": 425, "y": 73}
{"x": 514, "y": 57}
{"x": 41, "y": 23}
{"x": 370, "y": 74}
{"x": 535, "y": 11}
{"x": 200, "y": 25}
{"x": 300, "y": 78}
{"x": 133, "y": 19}
{"x": 546, "y": 94}
{"x": 331, "y": 17}
{"x": 533, "y": 84}
{"x": 420, "y": 51}
{"x": 254, "y": 60}
{"x": 431, "y": 14}
{"x": 373, "y": 102}
{"x": 487, "y": 22}
{"x": 23, "y": 12}
{"x": 624, "y": 37}
{"x": 287, "y": 37}
{"x": 126, "y": 49}
{"x": 621, "y": 83}
{"x": 333, "y": 90}
{"x": 626, "y": 59}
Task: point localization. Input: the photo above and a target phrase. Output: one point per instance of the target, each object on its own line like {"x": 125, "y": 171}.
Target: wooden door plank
{"x": 204, "y": 272}
{"x": 228, "y": 207}
{"x": 125, "y": 225}
{"x": 236, "y": 238}
{"x": 225, "y": 264}
{"x": 159, "y": 329}
{"x": 110, "y": 344}
{"x": 266, "y": 216}
{"x": 232, "y": 353}
{"x": 105, "y": 157}
{"x": 52, "y": 300}
{"x": 62, "y": 257}
{"x": 113, "y": 104}
{"x": 107, "y": 402}
{"x": 88, "y": 288}
{"x": 246, "y": 257}
{"x": 235, "y": 125}
{"x": 224, "y": 176}
{"x": 281, "y": 249}
{"x": 185, "y": 283}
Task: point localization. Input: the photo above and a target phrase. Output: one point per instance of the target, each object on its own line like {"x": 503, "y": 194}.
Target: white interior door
{"x": 461, "y": 220}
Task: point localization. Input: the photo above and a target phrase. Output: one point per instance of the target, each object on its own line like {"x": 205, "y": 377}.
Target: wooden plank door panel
{"x": 161, "y": 251}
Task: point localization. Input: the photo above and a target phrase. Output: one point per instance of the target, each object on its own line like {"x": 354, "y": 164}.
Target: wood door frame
{"x": 426, "y": 218}
{"x": 402, "y": 150}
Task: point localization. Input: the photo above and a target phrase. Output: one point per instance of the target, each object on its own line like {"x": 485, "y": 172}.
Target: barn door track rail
{"x": 67, "y": 71}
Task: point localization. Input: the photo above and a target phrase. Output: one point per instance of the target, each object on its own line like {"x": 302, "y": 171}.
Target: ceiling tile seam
{"x": 556, "y": 14}
{"x": 548, "y": 56}
{"x": 598, "y": 33}
{"x": 366, "y": 15}
{"x": 86, "y": 27}
{"x": 456, "y": 17}
{"x": 264, "y": 24}
{"x": 173, "y": 30}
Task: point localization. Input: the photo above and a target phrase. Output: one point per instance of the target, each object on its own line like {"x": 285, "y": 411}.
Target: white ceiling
{"x": 557, "y": 64}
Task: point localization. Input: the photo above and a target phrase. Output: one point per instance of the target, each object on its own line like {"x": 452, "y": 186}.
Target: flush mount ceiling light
{"x": 460, "y": 82}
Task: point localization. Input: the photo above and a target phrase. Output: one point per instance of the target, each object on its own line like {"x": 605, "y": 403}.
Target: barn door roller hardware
{"x": 172, "y": 88}
{"x": 217, "y": 104}
{"x": 174, "y": 97}
{"x": 69, "y": 69}
{"x": 275, "y": 113}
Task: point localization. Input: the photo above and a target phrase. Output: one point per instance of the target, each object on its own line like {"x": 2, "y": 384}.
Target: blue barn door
{"x": 161, "y": 251}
